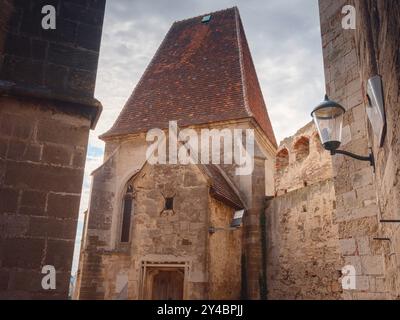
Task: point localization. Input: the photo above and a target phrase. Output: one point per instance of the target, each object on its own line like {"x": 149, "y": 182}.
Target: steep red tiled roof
{"x": 201, "y": 73}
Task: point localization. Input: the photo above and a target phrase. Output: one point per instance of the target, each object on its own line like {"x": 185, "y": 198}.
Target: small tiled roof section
{"x": 221, "y": 188}
{"x": 201, "y": 73}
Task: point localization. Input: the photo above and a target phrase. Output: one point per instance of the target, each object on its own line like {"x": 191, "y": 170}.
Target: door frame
{"x": 144, "y": 293}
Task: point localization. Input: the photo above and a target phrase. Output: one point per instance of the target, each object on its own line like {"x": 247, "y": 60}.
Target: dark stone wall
{"x": 60, "y": 63}
{"x": 47, "y": 108}
{"x": 252, "y": 233}
{"x": 42, "y": 159}
{"x": 378, "y": 52}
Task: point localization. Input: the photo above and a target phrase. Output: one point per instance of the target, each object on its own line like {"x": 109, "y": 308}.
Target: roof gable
{"x": 201, "y": 73}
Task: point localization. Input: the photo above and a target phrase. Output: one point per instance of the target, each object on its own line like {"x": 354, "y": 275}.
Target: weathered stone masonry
{"x": 47, "y": 108}
{"x": 303, "y": 260}
{"x": 364, "y": 197}
{"x": 303, "y": 256}
{"x": 358, "y": 199}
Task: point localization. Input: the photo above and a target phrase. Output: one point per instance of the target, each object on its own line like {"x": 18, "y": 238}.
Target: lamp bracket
{"x": 369, "y": 158}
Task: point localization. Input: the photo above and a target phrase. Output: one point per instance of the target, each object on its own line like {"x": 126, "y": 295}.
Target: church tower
{"x": 171, "y": 231}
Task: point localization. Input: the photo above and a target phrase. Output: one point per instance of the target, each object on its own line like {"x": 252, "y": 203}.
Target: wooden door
{"x": 168, "y": 285}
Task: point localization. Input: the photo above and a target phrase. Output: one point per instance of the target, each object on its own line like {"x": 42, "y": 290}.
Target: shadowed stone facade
{"x": 47, "y": 108}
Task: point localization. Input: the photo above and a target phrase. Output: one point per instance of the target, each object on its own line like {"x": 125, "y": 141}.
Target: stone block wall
{"x": 303, "y": 260}
{"x": 182, "y": 235}
{"x": 377, "y": 36}
{"x": 163, "y": 238}
{"x": 42, "y": 158}
{"x": 224, "y": 255}
{"x": 251, "y": 230}
{"x": 364, "y": 197}
{"x": 357, "y": 212}
{"x": 60, "y": 62}
{"x": 47, "y": 108}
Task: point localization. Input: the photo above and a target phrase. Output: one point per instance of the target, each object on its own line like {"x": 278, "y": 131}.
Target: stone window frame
{"x": 119, "y": 244}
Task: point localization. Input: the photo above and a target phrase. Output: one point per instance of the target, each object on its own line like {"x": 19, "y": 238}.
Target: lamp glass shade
{"x": 328, "y": 118}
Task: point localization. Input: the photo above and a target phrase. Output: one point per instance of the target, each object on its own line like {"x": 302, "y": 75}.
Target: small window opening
{"x": 126, "y": 215}
{"x": 206, "y": 18}
{"x": 169, "y": 204}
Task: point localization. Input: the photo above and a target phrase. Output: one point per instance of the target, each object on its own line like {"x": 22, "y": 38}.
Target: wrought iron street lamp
{"x": 328, "y": 118}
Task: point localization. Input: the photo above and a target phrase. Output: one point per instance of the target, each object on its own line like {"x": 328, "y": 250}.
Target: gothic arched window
{"x": 127, "y": 214}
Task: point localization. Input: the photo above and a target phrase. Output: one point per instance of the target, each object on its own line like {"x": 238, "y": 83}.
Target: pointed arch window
{"x": 127, "y": 214}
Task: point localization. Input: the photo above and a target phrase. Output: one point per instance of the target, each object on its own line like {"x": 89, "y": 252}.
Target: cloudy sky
{"x": 284, "y": 39}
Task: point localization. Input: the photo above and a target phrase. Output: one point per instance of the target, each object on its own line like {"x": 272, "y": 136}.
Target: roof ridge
{"x": 250, "y": 68}
{"x": 243, "y": 78}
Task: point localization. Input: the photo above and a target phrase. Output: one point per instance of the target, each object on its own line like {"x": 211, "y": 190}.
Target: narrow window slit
{"x": 126, "y": 216}
{"x": 169, "y": 204}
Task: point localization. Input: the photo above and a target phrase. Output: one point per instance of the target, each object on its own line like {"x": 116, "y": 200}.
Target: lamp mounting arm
{"x": 369, "y": 158}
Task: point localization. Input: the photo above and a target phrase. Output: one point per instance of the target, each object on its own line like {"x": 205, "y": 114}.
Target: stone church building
{"x": 165, "y": 231}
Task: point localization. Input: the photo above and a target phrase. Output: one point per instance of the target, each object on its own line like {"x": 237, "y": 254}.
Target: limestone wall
{"x": 225, "y": 252}
{"x": 303, "y": 260}
{"x": 100, "y": 240}
{"x": 168, "y": 236}
{"x": 124, "y": 158}
{"x": 378, "y": 41}
{"x": 363, "y": 197}
{"x": 179, "y": 237}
